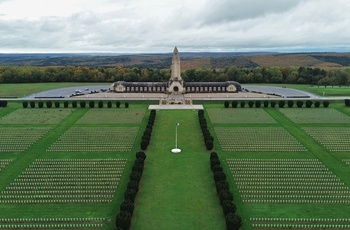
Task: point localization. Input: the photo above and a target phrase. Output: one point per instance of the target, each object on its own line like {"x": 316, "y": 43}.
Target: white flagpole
{"x": 176, "y": 136}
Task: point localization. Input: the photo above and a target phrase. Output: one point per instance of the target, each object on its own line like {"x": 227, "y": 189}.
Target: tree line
{"x": 288, "y": 75}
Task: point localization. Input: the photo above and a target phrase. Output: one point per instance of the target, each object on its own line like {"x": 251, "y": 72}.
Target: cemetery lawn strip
{"x": 177, "y": 190}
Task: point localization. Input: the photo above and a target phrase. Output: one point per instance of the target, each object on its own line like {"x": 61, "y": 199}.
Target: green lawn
{"x": 177, "y": 191}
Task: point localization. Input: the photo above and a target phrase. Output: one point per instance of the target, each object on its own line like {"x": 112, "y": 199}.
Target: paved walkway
{"x": 160, "y": 107}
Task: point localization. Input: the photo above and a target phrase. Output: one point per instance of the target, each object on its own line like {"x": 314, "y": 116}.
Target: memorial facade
{"x": 176, "y": 84}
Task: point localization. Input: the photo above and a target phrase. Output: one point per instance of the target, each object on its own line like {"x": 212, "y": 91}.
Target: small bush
{"x": 217, "y": 168}
{"x": 213, "y": 162}
{"x": 141, "y": 154}
{"x": 233, "y": 221}
{"x": 65, "y": 104}
{"x": 209, "y": 144}
{"x": 220, "y": 185}
{"x": 281, "y": 104}
{"x": 82, "y": 104}
{"x": 273, "y": 104}
{"x": 300, "y": 104}
{"x": 3, "y": 103}
{"x": 49, "y": 104}
{"x": 144, "y": 144}
{"x": 130, "y": 194}
{"x": 109, "y": 104}
{"x": 219, "y": 176}
{"x": 136, "y": 176}
{"x": 25, "y": 104}
{"x": 201, "y": 113}
{"x": 347, "y": 102}
{"x": 32, "y": 104}
{"x": 234, "y": 104}
{"x": 317, "y": 104}
{"x": 325, "y": 104}
{"x": 225, "y": 194}
{"x": 257, "y": 104}
{"x": 226, "y": 104}
{"x": 266, "y": 104}
{"x": 213, "y": 155}
{"x": 100, "y": 104}
{"x": 251, "y": 104}
{"x": 127, "y": 206}
{"x": 133, "y": 185}
{"x": 40, "y": 104}
{"x": 242, "y": 104}
{"x": 74, "y": 104}
{"x": 91, "y": 104}
{"x": 228, "y": 206}
{"x": 290, "y": 104}
{"x": 57, "y": 104}
{"x": 126, "y": 104}
{"x": 117, "y": 104}
{"x": 308, "y": 104}
{"x": 123, "y": 220}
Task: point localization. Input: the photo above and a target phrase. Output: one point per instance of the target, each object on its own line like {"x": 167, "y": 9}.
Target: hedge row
{"x": 281, "y": 104}
{"x": 74, "y": 104}
{"x": 123, "y": 219}
{"x": 208, "y": 139}
{"x": 233, "y": 220}
{"x": 3, "y": 103}
{"x": 148, "y": 132}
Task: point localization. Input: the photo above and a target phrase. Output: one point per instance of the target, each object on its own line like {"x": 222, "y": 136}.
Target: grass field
{"x": 273, "y": 185}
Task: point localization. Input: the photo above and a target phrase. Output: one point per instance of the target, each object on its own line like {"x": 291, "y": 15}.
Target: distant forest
{"x": 290, "y": 75}
{"x": 325, "y": 69}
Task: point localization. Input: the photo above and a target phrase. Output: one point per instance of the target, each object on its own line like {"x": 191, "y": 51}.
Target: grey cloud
{"x": 236, "y": 10}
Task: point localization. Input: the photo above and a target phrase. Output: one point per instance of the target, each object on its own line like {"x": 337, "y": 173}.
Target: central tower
{"x": 175, "y": 82}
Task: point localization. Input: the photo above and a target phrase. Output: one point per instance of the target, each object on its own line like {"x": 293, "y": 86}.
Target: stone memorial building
{"x": 175, "y": 85}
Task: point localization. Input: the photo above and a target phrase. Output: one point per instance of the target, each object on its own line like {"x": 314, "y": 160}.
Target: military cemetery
{"x": 106, "y": 162}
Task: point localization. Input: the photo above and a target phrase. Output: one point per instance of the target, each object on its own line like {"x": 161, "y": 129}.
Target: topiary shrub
{"x": 317, "y": 104}
{"x": 40, "y": 104}
{"x": 220, "y": 185}
{"x": 226, "y": 104}
{"x": 219, "y": 176}
{"x": 308, "y": 104}
{"x": 300, "y": 104}
{"x": 136, "y": 176}
{"x": 225, "y": 194}
{"x": 213, "y": 155}
{"x": 65, "y": 104}
{"x": 49, "y": 104}
{"x": 32, "y": 104}
{"x": 127, "y": 206}
{"x": 257, "y": 104}
{"x": 109, "y": 104}
{"x": 117, "y": 104}
{"x": 209, "y": 144}
{"x": 281, "y": 104}
{"x": 213, "y": 162}
{"x": 130, "y": 194}
{"x": 217, "y": 168}
{"x": 123, "y": 220}
{"x": 228, "y": 206}
{"x": 100, "y": 104}
{"x": 290, "y": 104}
{"x": 25, "y": 104}
{"x": 137, "y": 168}
{"x": 57, "y": 104}
{"x": 234, "y": 104}
{"x": 266, "y": 104}
{"x": 242, "y": 104}
{"x": 347, "y": 102}
{"x": 141, "y": 154}
{"x": 126, "y": 104}
{"x": 3, "y": 103}
{"x": 200, "y": 113}
{"x": 325, "y": 104}
{"x": 133, "y": 185}
{"x": 74, "y": 104}
{"x": 91, "y": 104}
{"x": 82, "y": 104}
{"x": 144, "y": 144}
{"x": 251, "y": 104}
{"x": 273, "y": 104}
{"x": 233, "y": 221}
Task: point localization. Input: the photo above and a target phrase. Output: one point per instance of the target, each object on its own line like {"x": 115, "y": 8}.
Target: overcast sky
{"x": 158, "y": 25}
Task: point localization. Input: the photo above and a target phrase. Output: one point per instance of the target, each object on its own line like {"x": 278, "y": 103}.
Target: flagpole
{"x": 176, "y": 150}
{"x": 176, "y": 136}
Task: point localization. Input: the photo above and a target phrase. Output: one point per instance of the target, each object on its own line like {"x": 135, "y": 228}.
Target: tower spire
{"x": 175, "y": 66}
